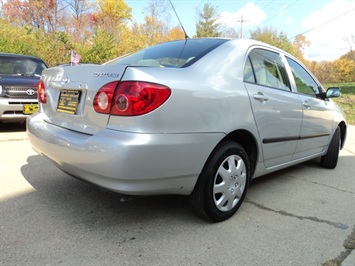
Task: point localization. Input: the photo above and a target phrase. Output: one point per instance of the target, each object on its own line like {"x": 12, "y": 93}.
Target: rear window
{"x": 171, "y": 54}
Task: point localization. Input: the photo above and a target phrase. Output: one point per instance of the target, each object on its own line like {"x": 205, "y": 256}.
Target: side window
{"x": 248, "y": 72}
{"x": 304, "y": 81}
{"x": 269, "y": 69}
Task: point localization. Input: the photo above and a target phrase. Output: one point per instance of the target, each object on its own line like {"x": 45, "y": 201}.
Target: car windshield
{"x": 180, "y": 53}
{"x": 18, "y": 66}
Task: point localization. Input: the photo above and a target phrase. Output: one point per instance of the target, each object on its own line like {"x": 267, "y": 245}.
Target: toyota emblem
{"x": 30, "y": 92}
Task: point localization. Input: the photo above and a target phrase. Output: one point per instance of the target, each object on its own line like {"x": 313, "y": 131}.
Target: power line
{"x": 282, "y": 10}
{"x": 267, "y": 4}
{"x": 321, "y": 25}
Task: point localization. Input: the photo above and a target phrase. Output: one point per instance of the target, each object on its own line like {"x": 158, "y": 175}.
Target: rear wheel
{"x": 330, "y": 159}
{"x": 222, "y": 184}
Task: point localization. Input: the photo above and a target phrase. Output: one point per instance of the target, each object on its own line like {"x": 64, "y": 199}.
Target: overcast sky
{"x": 325, "y": 23}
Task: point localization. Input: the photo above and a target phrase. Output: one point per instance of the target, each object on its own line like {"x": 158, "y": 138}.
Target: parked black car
{"x": 19, "y": 78}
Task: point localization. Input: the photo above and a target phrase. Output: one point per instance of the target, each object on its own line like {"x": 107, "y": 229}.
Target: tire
{"x": 330, "y": 159}
{"x": 222, "y": 184}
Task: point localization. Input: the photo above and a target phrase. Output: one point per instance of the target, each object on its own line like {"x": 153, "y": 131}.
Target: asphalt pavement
{"x": 303, "y": 215}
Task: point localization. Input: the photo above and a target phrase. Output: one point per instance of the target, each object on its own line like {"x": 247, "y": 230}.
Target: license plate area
{"x": 68, "y": 101}
{"x": 30, "y": 108}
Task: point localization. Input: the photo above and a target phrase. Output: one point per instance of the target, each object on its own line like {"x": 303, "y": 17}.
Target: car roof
{"x": 246, "y": 43}
{"x": 249, "y": 43}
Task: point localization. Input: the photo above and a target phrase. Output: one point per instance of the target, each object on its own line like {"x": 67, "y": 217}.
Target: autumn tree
{"x": 80, "y": 21}
{"x": 113, "y": 15}
{"x": 229, "y": 32}
{"x": 16, "y": 39}
{"x": 207, "y": 24}
{"x": 111, "y": 19}
{"x": 349, "y": 55}
{"x": 153, "y": 28}
{"x": 45, "y": 15}
{"x": 299, "y": 44}
{"x": 156, "y": 26}
{"x": 79, "y": 8}
{"x": 103, "y": 47}
{"x": 336, "y": 71}
{"x": 324, "y": 71}
{"x": 271, "y": 36}
{"x": 175, "y": 33}
{"x": 344, "y": 70}
{"x": 52, "y": 47}
{"x": 350, "y": 40}
{"x": 138, "y": 38}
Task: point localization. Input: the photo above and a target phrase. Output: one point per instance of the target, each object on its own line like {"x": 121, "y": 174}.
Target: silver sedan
{"x": 197, "y": 117}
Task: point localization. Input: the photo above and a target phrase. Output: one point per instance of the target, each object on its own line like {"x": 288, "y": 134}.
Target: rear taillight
{"x": 131, "y": 98}
{"x": 103, "y": 98}
{"x": 42, "y": 96}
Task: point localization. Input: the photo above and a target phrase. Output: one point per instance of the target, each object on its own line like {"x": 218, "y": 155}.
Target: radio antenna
{"x": 186, "y": 36}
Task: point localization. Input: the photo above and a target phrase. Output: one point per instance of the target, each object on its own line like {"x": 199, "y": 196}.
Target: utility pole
{"x": 241, "y": 26}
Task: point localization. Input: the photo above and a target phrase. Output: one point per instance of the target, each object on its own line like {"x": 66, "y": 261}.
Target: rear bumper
{"x": 125, "y": 162}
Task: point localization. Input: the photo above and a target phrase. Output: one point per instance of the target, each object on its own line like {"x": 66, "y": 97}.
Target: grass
{"x": 347, "y": 99}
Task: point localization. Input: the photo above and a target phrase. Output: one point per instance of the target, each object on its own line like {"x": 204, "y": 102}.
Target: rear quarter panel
{"x": 209, "y": 96}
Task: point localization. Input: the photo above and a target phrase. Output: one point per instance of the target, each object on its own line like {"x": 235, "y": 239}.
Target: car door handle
{"x": 306, "y": 105}
{"x": 260, "y": 97}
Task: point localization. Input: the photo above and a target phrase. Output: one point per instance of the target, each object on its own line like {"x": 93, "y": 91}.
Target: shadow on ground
{"x": 12, "y": 127}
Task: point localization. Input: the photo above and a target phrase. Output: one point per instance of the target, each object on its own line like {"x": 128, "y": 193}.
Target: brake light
{"x": 103, "y": 98}
{"x": 42, "y": 96}
{"x": 131, "y": 98}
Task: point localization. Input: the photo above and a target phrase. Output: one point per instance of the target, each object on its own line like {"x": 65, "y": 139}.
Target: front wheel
{"x": 330, "y": 159}
{"x": 222, "y": 184}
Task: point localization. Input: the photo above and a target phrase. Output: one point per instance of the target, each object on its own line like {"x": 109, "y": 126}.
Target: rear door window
{"x": 248, "y": 72}
{"x": 268, "y": 70}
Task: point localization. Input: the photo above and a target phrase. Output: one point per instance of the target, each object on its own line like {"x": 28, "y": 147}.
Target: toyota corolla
{"x": 197, "y": 117}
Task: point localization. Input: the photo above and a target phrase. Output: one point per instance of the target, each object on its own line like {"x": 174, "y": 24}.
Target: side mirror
{"x": 333, "y": 92}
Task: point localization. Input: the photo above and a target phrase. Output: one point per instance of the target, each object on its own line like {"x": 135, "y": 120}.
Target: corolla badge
{"x": 105, "y": 75}
{"x": 30, "y": 92}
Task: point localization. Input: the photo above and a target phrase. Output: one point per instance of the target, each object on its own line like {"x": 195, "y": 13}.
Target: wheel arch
{"x": 248, "y": 142}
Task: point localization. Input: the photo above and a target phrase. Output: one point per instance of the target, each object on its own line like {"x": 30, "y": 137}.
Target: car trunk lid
{"x": 70, "y": 92}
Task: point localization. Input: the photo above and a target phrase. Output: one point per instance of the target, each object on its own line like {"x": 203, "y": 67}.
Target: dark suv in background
{"x": 19, "y": 78}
